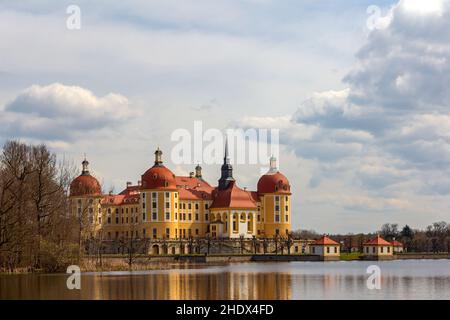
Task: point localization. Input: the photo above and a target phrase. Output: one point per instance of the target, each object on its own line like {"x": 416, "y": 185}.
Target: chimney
{"x": 128, "y": 184}
{"x": 191, "y": 174}
{"x": 139, "y": 182}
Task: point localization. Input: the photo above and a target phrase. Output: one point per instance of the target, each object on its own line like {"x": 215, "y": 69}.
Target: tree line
{"x": 35, "y": 228}
{"x": 435, "y": 238}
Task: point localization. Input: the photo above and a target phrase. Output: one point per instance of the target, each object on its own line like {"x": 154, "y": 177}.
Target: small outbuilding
{"x": 398, "y": 246}
{"x": 378, "y": 249}
{"x": 326, "y": 248}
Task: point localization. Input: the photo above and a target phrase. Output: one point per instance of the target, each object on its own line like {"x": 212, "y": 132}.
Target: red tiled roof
{"x": 325, "y": 241}
{"x": 120, "y": 199}
{"x": 113, "y": 200}
{"x": 255, "y": 196}
{"x": 131, "y": 190}
{"x": 192, "y": 188}
{"x": 377, "y": 241}
{"x": 233, "y": 197}
{"x": 396, "y": 243}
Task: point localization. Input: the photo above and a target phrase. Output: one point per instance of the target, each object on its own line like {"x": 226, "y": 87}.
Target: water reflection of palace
{"x": 191, "y": 285}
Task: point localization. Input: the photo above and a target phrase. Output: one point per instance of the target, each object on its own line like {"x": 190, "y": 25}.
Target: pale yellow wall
{"x": 326, "y": 250}
{"x": 378, "y": 250}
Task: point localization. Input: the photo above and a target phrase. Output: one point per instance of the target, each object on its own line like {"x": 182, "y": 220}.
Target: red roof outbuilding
{"x": 377, "y": 241}
{"x": 324, "y": 241}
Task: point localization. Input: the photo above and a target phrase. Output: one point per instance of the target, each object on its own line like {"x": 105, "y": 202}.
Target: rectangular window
{"x": 167, "y": 215}
{"x": 206, "y": 206}
{"x": 167, "y": 195}
{"x": 154, "y": 216}
{"x": 189, "y": 206}
{"x": 196, "y": 217}
{"x": 277, "y": 218}
{"x": 286, "y": 218}
{"x": 196, "y": 206}
{"x": 196, "y": 232}
{"x": 167, "y": 205}
{"x": 154, "y": 195}
{"x": 176, "y": 216}
{"x": 143, "y": 195}
{"x": 143, "y": 216}
{"x": 190, "y": 217}
{"x": 167, "y": 233}
{"x": 206, "y": 217}
{"x": 286, "y": 208}
{"x": 154, "y": 205}
{"x": 155, "y": 233}
{"x": 277, "y": 208}
{"x": 117, "y": 220}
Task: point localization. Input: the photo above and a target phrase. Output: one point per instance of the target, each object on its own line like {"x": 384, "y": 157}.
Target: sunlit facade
{"x": 165, "y": 206}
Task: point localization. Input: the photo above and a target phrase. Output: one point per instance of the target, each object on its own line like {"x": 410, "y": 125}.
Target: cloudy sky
{"x": 360, "y": 94}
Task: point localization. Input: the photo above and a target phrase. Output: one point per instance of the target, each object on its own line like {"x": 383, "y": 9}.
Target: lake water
{"x": 400, "y": 280}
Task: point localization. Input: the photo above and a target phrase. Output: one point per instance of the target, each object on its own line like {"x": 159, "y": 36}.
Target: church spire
{"x": 226, "y": 158}
{"x": 227, "y": 170}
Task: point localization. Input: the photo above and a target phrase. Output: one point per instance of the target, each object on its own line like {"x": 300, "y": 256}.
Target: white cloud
{"x": 383, "y": 144}
{"x": 59, "y": 113}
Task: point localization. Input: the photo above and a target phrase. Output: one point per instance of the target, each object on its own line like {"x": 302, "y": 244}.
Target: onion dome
{"x": 274, "y": 181}
{"x": 85, "y": 184}
{"x": 158, "y": 176}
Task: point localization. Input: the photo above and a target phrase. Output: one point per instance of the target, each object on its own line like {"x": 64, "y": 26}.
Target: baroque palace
{"x": 165, "y": 206}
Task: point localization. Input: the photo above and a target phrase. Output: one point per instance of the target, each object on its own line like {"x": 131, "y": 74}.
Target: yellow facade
{"x": 150, "y": 210}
